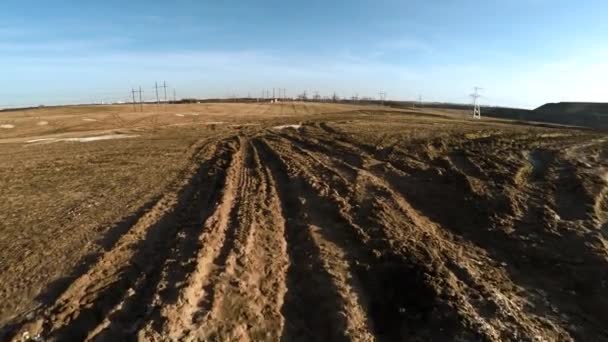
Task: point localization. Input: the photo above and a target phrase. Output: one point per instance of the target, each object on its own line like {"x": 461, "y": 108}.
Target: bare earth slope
{"x": 353, "y": 224}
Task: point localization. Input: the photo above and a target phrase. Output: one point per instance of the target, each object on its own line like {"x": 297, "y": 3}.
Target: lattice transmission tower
{"x": 476, "y": 106}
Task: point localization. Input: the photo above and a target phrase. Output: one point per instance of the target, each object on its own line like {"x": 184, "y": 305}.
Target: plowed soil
{"x": 361, "y": 224}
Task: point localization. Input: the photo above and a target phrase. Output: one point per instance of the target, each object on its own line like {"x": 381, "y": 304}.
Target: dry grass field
{"x": 299, "y": 222}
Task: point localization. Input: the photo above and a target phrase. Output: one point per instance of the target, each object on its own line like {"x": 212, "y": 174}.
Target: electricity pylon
{"x": 382, "y": 97}
{"x": 476, "y": 106}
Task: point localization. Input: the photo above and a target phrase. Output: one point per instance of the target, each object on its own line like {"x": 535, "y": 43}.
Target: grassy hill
{"x": 593, "y": 115}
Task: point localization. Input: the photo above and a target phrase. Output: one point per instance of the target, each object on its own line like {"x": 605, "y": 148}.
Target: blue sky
{"x": 522, "y": 52}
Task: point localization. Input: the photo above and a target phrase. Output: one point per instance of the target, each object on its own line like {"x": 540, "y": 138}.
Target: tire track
{"x": 572, "y": 201}
{"x": 356, "y": 154}
{"x": 196, "y": 153}
{"x": 235, "y": 236}
{"x": 378, "y": 275}
{"x": 317, "y": 272}
{"x": 247, "y": 296}
{"x": 129, "y": 269}
{"x": 600, "y": 207}
{"x": 182, "y": 318}
{"x": 463, "y": 163}
{"x": 145, "y": 303}
{"x": 477, "y": 213}
{"x": 390, "y": 219}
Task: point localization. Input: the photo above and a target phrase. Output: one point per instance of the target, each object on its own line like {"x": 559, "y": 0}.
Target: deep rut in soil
{"x": 392, "y": 290}
{"x": 115, "y": 295}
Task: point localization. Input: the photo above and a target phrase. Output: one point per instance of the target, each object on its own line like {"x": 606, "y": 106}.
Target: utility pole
{"x": 141, "y": 105}
{"x": 174, "y": 96}
{"x": 165, "y": 87}
{"x": 156, "y": 88}
{"x": 476, "y": 106}
{"x": 133, "y": 94}
{"x": 419, "y": 102}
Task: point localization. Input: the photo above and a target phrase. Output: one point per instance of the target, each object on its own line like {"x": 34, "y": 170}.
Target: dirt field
{"x": 299, "y": 222}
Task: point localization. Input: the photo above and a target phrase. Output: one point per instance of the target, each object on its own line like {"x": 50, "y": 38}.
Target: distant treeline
{"x": 18, "y": 109}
